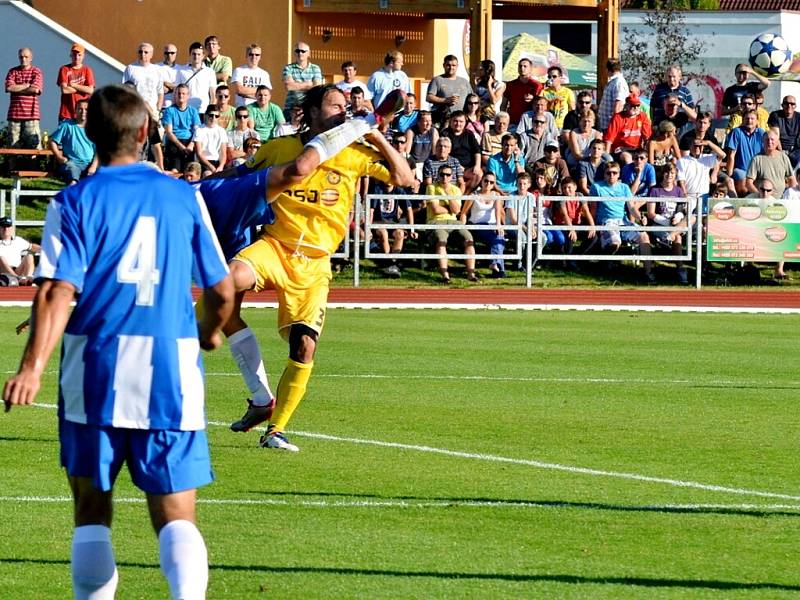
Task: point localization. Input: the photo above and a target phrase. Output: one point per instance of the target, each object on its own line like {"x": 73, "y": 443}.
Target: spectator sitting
{"x": 766, "y": 194}
{"x": 16, "y": 256}
{"x": 421, "y": 139}
{"x": 247, "y": 78}
{"x": 251, "y": 146}
{"x": 696, "y": 169}
{"x": 787, "y": 120}
{"x": 265, "y": 115}
{"x": 211, "y": 143}
{"x": 441, "y": 156}
{"x": 771, "y": 164}
{"x": 539, "y": 111}
{"x": 406, "y": 119}
{"x": 445, "y": 211}
{"x": 665, "y": 210}
{"x": 180, "y": 121}
{"x": 349, "y": 82}
{"x": 554, "y": 238}
{"x": 472, "y": 113}
{"x": 239, "y": 135}
{"x": 24, "y": 84}
{"x": 293, "y": 125}
{"x": 639, "y": 174}
{"x": 749, "y": 102}
{"x": 793, "y": 192}
{"x": 679, "y": 114}
{"x": 76, "y": 81}
{"x": 506, "y": 165}
{"x": 72, "y": 149}
{"x": 560, "y": 99}
{"x": 612, "y": 214}
{"x": 465, "y": 148}
{"x": 637, "y": 91}
{"x": 489, "y": 89}
{"x": 573, "y": 117}
{"x": 492, "y": 140}
{"x": 199, "y": 79}
{"x": 732, "y": 98}
{"x": 579, "y": 140}
{"x": 391, "y": 210}
{"x": 628, "y": 130}
{"x": 593, "y": 168}
{"x": 743, "y": 143}
{"x": 192, "y": 172}
{"x": 227, "y": 112}
{"x": 358, "y": 106}
{"x": 534, "y": 141}
{"x": 702, "y": 130}
{"x": 487, "y": 209}
{"x": 554, "y": 166}
{"x": 571, "y": 211}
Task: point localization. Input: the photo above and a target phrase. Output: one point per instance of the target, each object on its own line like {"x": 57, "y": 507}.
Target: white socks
{"x": 246, "y": 353}
{"x": 184, "y": 560}
{"x": 333, "y": 141}
{"x": 94, "y": 572}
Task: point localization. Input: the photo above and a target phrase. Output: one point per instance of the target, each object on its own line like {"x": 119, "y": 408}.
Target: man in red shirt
{"x": 25, "y": 84}
{"x": 628, "y": 130}
{"x": 521, "y": 91}
{"x": 76, "y": 81}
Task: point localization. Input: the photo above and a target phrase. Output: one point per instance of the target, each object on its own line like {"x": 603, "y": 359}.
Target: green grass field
{"x": 474, "y": 454}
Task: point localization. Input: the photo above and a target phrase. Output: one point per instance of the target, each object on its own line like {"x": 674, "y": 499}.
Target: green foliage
{"x": 666, "y": 41}
{"x": 512, "y": 395}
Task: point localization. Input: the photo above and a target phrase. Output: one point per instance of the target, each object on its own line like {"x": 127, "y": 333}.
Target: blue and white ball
{"x": 770, "y": 55}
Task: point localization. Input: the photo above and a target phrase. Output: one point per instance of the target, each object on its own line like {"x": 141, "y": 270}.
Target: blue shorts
{"x": 739, "y": 174}
{"x": 159, "y": 461}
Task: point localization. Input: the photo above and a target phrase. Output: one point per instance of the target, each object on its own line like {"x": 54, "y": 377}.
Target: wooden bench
{"x": 29, "y": 155}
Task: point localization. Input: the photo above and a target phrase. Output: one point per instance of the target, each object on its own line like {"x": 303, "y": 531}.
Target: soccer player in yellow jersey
{"x": 293, "y": 255}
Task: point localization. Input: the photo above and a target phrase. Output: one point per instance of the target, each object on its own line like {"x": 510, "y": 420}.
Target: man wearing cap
{"x": 628, "y": 130}
{"x": 16, "y": 256}
{"x": 25, "y": 84}
{"x": 554, "y": 166}
{"x": 76, "y": 81}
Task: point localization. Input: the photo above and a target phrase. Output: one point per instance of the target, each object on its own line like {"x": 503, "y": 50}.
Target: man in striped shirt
{"x": 25, "y": 84}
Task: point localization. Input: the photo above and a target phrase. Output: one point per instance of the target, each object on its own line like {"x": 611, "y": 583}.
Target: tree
{"x": 666, "y": 40}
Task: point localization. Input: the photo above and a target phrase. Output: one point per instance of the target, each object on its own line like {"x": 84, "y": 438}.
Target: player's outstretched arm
{"x": 218, "y": 303}
{"x": 49, "y": 315}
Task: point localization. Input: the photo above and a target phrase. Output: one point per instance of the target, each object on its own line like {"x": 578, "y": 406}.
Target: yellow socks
{"x": 291, "y": 389}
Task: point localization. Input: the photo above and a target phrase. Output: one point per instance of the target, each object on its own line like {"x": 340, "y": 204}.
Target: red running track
{"x": 516, "y": 296}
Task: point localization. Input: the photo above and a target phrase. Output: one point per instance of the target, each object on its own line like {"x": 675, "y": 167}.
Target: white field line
{"x": 399, "y": 503}
{"x": 538, "y": 306}
{"x": 532, "y": 463}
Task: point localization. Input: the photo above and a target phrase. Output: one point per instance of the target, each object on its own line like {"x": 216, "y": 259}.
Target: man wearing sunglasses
{"x": 247, "y": 77}
{"x": 169, "y": 72}
{"x": 787, "y": 120}
{"x": 299, "y": 77}
{"x": 221, "y": 65}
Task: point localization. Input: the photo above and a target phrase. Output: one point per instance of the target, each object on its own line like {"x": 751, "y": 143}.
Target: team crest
{"x": 329, "y": 197}
{"x": 333, "y": 178}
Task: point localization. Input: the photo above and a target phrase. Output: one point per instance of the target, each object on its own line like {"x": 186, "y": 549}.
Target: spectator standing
{"x": 227, "y": 112}
{"x": 743, "y": 143}
{"x": 489, "y": 89}
{"x": 76, "y": 81}
{"x": 200, "y": 79}
{"x": 72, "y": 149}
{"x": 24, "y": 83}
{"x": 441, "y": 157}
{"x": 560, "y": 99}
{"x": 520, "y": 92}
{"x": 239, "y": 135}
{"x": 390, "y": 77}
{"x": 787, "y": 120}
{"x": 465, "y": 149}
{"x": 299, "y": 77}
{"x": 732, "y": 98}
{"x": 406, "y": 119}
{"x": 179, "y": 120}
{"x": 16, "y": 255}
{"x": 627, "y": 130}
{"x": 583, "y": 103}
{"x": 615, "y": 94}
{"x": 447, "y": 92}
{"x": 771, "y": 164}
{"x": 492, "y": 140}
{"x": 349, "y": 72}
{"x": 169, "y": 72}
{"x": 247, "y": 77}
{"x": 146, "y": 78}
{"x": 211, "y": 143}
{"x": 220, "y": 64}
{"x": 507, "y": 164}
{"x": 669, "y": 87}
{"x": 265, "y": 115}
{"x": 679, "y": 114}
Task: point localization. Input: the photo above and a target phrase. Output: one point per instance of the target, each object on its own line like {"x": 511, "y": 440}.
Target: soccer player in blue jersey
{"x": 125, "y": 245}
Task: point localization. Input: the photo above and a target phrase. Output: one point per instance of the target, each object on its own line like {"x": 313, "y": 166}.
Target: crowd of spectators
{"x": 655, "y": 150}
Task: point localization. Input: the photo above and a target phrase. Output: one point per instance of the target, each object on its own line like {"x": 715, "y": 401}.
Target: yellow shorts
{"x": 301, "y": 282}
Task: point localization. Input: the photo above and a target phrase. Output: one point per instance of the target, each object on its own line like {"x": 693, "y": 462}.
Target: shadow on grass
{"x": 467, "y": 502}
{"x": 650, "y": 582}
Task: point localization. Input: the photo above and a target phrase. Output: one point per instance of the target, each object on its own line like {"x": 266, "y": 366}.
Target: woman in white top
{"x": 488, "y": 211}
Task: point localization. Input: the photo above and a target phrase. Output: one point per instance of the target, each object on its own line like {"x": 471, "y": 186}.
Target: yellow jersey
{"x": 314, "y": 214}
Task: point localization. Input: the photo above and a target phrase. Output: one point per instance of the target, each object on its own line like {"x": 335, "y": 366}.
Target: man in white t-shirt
{"x": 147, "y": 78}
{"x": 349, "y": 71}
{"x": 16, "y": 256}
{"x": 695, "y": 168}
{"x": 390, "y": 77}
{"x": 201, "y": 80}
{"x": 169, "y": 72}
{"x": 211, "y": 143}
{"x": 247, "y": 77}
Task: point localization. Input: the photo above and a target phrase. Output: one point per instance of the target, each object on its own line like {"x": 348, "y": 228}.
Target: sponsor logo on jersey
{"x": 329, "y": 197}
{"x": 333, "y": 178}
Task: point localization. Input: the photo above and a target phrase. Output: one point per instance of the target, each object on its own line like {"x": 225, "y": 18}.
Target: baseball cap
{"x": 633, "y": 100}
{"x": 5, "y": 222}
{"x": 551, "y": 144}
{"x": 78, "y": 47}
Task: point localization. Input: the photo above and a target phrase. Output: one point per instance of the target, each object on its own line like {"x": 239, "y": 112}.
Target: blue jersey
{"x": 131, "y": 240}
{"x": 236, "y": 206}
{"x": 610, "y": 209}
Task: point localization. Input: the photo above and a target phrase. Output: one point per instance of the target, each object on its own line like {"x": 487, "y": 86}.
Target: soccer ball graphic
{"x": 770, "y": 55}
